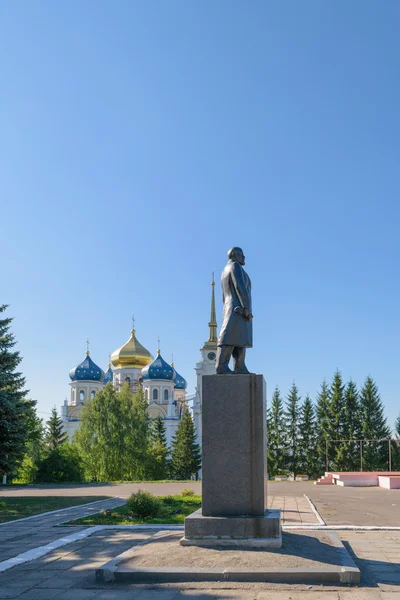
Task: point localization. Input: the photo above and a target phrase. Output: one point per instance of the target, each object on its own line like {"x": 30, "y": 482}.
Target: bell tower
{"x": 206, "y": 364}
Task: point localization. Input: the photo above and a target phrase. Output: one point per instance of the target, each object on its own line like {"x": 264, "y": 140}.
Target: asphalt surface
{"x": 337, "y": 505}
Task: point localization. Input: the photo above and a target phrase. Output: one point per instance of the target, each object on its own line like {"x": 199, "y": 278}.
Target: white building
{"x": 133, "y": 364}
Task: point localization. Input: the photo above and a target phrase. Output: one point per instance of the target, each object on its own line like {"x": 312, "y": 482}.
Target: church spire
{"x": 213, "y": 317}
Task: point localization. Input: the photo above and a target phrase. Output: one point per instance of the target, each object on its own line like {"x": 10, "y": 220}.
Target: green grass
{"x": 173, "y": 510}
{"x": 17, "y": 508}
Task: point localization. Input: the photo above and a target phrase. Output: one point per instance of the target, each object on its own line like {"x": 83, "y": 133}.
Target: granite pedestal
{"x": 234, "y": 450}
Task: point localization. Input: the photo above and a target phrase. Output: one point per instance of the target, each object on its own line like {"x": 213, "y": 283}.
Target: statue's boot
{"x": 224, "y": 354}
{"x": 239, "y": 355}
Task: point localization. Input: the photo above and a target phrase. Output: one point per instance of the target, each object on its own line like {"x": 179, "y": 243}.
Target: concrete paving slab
{"x": 48, "y": 594}
{"x": 8, "y": 593}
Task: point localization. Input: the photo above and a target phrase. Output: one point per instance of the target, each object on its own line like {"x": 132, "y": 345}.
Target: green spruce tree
{"x": 352, "y": 427}
{"x": 323, "y": 428}
{"x": 337, "y": 422}
{"x": 186, "y": 458}
{"x": 55, "y": 435}
{"x": 158, "y": 450}
{"x": 276, "y": 435}
{"x": 15, "y": 409}
{"x": 291, "y": 416}
{"x": 307, "y": 439}
{"x": 373, "y": 427}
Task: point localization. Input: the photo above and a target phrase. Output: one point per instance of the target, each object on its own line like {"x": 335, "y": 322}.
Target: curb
{"x": 314, "y": 509}
{"x": 110, "y": 572}
{"x": 347, "y": 575}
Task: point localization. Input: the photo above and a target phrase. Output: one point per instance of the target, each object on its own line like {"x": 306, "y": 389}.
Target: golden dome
{"x": 132, "y": 354}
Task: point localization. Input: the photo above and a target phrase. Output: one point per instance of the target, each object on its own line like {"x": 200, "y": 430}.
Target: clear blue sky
{"x": 140, "y": 140}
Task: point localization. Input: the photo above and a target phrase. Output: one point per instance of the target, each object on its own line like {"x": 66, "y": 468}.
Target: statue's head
{"x": 236, "y": 253}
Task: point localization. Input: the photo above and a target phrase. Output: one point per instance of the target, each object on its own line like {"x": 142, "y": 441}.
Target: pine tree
{"x": 292, "y": 428}
{"x": 307, "y": 439}
{"x": 352, "y": 427}
{"x": 337, "y": 421}
{"x": 373, "y": 427}
{"x": 323, "y": 426}
{"x": 55, "y": 435}
{"x": 275, "y": 435}
{"x": 186, "y": 458}
{"x": 14, "y": 407}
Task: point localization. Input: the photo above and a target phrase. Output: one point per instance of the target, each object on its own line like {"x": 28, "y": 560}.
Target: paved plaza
{"x": 67, "y": 572}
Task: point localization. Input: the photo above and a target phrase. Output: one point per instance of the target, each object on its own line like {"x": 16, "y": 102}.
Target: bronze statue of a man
{"x": 237, "y": 329}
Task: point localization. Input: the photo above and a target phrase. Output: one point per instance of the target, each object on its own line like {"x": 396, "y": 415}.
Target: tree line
{"x": 306, "y": 437}
{"x": 117, "y": 440}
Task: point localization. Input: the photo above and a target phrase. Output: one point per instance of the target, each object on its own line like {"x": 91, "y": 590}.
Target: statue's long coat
{"x": 236, "y": 292}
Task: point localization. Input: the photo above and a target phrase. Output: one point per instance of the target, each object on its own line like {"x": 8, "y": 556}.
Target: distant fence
{"x": 362, "y": 443}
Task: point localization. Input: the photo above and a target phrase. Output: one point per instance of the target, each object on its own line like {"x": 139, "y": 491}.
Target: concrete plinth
{"x": 234, "y": 531}
{"x": 234, "y": 446}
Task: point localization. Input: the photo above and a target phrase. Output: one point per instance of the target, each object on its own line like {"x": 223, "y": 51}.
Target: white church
{"x": 163, "y": 387}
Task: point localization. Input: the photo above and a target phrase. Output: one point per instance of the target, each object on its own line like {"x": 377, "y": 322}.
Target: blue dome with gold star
{"x": 86, "y": 371}
{"x": 108, "y": 377}
{"x": 158, "y": 369}
{"x": 180, "y": 382}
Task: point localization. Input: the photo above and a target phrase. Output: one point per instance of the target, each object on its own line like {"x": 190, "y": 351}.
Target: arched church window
{"x": 146, "y": 394}
{"x": 155, "y": 394}
{"x": 92, "y": 394}
{"x": 166, "y": 395}
{"x": 82, "y": 396}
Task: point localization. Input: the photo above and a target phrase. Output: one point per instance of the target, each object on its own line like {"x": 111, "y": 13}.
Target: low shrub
{"x": 143, "y": 505}
{"x": 186, "y": 492}
{"x": 169, "y": 500}
{"x": 64, "y": 464}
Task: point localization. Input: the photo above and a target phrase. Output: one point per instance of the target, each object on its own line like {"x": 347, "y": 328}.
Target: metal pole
{"x": 326, "y": 455}
{"x": 390, "y": 455}
{"x": 361, "y": 455}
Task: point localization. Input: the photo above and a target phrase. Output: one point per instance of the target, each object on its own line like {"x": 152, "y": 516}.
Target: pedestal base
{"x": 233, "y": 531}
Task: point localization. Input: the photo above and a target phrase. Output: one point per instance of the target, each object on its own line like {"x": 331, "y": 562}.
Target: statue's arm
{"x": 240, "y": 286}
